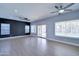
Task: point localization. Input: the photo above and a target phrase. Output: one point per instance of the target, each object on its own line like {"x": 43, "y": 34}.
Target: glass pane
{"x": 33, "y": 29}
{"x": 5, "y": 29}
{"x": 42, "y": 30}
{"x": 27, "y": 29}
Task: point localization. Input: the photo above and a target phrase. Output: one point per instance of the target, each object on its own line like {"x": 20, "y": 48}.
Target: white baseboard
{"x": 65, "y": 42}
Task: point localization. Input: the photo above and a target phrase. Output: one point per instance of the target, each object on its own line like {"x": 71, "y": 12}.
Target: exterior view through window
{"x": 42, "y": 30}
{"x": 5, "y": 29}
{"x": 67, "y": 28}
{"x": 26, "y": 28}
{"x": 33, "y": 28}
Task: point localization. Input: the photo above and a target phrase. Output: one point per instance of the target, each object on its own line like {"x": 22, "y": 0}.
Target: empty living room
{"x": 39, "y": 29}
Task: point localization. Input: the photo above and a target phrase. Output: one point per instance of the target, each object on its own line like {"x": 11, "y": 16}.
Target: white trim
{"x": 74, "y": 44}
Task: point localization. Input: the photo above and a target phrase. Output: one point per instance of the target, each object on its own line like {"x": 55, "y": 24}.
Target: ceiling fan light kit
{"x": 61, "y": 11}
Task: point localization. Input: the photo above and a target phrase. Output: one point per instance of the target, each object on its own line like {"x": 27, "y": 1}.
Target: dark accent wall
{"x": 0, "y": 29}
{"x": 16, "y": 27}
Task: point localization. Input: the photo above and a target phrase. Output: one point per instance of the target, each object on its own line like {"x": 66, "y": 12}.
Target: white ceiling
{"x": 32, "y": 11}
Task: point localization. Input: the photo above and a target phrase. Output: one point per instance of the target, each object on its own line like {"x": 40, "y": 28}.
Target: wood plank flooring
{"x": 32, "y": 46}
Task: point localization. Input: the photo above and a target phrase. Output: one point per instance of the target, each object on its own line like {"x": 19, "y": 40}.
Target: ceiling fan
{"x": 61, "y": 9}
{"x": 23, "y": 18}
{"x": 20, "y": 16}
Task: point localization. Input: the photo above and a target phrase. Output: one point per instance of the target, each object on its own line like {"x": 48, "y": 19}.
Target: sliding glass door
{"x": 42, "y": 30}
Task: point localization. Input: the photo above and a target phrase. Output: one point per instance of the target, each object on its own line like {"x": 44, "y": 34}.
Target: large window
{"x": 67, "y": 28}
{"x": 5, "y": 29}
{"x": 33, "y": 28}
{"x": 26, "y": 28}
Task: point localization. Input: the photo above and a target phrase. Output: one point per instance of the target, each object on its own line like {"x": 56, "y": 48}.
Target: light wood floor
{"x": 32, "y": 46}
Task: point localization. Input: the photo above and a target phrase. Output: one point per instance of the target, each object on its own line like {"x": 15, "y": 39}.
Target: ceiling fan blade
{"x": 54, "y": 12}
{"x": 69, "y": 5}
{"x": 56, "y": 7}
{"x": 61, "y": 7}
{"x": 19, "y": 17}
{"x": 68, "y": 10}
